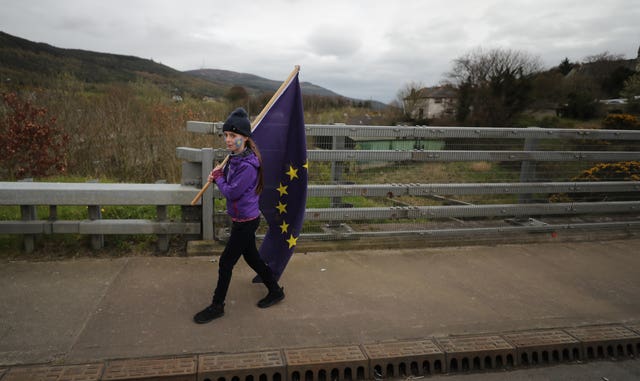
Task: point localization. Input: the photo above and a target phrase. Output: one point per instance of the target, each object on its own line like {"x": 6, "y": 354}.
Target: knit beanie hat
{"x": 238, "y": 122}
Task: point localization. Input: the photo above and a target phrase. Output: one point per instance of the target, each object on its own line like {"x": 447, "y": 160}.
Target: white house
{"x": 431, "y": 103}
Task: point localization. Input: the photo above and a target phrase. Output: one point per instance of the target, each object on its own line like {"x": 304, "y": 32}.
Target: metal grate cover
{"x": 89, "y": 372}
{"x": 311, "y": 364}
{"x": 477, "y": 352}
{"x": 544, "y": 346}
{"x": 404, "y": 358}
{"x": 606, "y": 341}
{"x": 173, "y": 369}
{"x": 267, "y": 366}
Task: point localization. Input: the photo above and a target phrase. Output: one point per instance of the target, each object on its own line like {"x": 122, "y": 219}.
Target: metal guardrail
{"x": 395, "y": 190}
{"x": 28, "y": 195}
{"x": 197, "y": 163}
{"x": 435, "y": 132}
{"x": 466, "y": 211}
{"x": 529, "y": 155}
{"x": 194, "y": 155}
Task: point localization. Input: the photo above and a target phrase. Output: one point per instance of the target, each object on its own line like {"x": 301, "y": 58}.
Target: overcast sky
{"x": 366, "y": 49}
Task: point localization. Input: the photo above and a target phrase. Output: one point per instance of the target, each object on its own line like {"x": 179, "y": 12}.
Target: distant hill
{"x": 28, "y": 63}
{"x": 255, "y": 84}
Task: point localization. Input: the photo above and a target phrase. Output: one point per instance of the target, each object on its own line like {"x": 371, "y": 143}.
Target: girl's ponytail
{"x": 253, "y": 147}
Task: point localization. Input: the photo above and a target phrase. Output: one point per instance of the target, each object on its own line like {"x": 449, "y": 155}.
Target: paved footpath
{"x": 81, "y": 311}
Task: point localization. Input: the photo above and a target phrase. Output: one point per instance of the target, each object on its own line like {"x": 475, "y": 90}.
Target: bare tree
{"x": 408, "y": 96}
{"x": 609, "y": 71}
{"x": 603, "y": 57}
{"x": 493, "y": 85}
{"x": 478, "y": 66}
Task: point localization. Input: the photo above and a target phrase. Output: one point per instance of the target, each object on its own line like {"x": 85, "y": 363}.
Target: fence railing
{"x": 95, "y": 196}
{"x": 378, "y": 181}
{"x": 529, "y": 187}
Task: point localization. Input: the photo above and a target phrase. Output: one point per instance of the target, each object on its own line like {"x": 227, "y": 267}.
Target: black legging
{"x": 242, "y": 242}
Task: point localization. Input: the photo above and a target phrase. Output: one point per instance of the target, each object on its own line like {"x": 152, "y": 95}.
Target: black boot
{"x": 256, "y": 279}
{"x": 272, "y": 298}
{"x": 214, "y": 311}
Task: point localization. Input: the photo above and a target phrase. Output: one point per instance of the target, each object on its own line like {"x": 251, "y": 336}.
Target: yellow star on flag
{"x": 284, "y": 227}
{"x": 281, "y": 207}
{"x": 293, "y": 173}
{"x": 306, "y": 165}
{"x": 292, "y": 241}
{"x": 282, "y": 189}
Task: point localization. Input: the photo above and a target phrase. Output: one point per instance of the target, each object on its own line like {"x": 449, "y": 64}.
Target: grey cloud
{"x": 366, "y": 49}
{"x": 334, "y": 41}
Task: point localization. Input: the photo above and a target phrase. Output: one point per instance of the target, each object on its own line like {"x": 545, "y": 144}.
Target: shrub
{"x": 621, "y": 171}
{"x": 31, "y": 144}
{"x": 620, "y": 122}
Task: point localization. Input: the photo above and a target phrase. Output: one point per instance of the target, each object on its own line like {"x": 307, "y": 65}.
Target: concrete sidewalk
{"x": 80, "y": 311}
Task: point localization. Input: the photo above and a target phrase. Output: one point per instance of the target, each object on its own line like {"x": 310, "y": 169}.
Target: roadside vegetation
{"x": 119, "y": 126}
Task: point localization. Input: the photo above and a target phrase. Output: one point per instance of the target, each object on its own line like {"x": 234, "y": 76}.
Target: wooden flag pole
{"x": 275, "y": 96}
{"x": 255, "y": 122}
{"x": 207, "y": 185}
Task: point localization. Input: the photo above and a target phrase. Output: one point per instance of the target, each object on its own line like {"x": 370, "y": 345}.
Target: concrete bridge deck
{"x": 94, "y": 311}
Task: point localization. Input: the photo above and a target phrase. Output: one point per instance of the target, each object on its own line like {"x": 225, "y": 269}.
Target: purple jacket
{"x": 238, "y": 186}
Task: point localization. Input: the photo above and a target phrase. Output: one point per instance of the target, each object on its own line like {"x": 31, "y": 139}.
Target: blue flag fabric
{"x": 280, "y": 137}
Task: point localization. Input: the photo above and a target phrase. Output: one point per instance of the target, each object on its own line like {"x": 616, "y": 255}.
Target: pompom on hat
{"x": 238, "y": 122}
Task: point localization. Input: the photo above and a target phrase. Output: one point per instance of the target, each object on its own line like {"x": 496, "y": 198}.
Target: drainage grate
{"x": 634, "y": 327}
{"x": 544, "y": 347}
{"x": 322, "y": 364}
{"x": 606, "y": 341}
{"x": 467, "y": 353}
{"x": 387, "y": 360}
{"x": 256, "y": 366}
{"x": 173, "y": 369}
{"x": 90, "y": 372}
{"x": 404, "y": 359}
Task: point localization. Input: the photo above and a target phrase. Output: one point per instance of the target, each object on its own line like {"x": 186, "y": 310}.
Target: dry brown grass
{"x": 480, "y": 166}
{"x": 128, "y": 132}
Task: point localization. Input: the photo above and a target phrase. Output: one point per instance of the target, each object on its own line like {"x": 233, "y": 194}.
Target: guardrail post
{"x": 163, "y": 239}
{"x": 53, "y": 212}
{"x": 528, "y": 170}
{"x": 29, "y": 213}
{"x": 337, "y": 143}
{"x": 95, "y": 213}
{"x": 337, "y": 167}
{"x": 97, "y": 240}
{"x": 207, "y": 197}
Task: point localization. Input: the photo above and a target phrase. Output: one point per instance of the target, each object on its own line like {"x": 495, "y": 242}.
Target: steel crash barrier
{"x": 342, "y": 147}
{"x": 345, "y": 155}
{"x": 27, "y": 195}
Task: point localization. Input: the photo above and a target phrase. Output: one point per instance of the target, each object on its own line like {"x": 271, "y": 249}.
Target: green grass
{"x": 356, "y": 201}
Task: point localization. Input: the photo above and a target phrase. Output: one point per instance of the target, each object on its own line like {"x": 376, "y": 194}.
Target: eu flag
{"x": 280, "y": 137}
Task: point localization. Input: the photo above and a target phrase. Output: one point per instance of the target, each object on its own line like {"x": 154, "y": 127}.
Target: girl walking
{"x": 240, "y": 181}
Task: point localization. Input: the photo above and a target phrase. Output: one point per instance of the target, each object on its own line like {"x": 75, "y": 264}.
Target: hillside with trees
{"x": 28, "y": 64}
